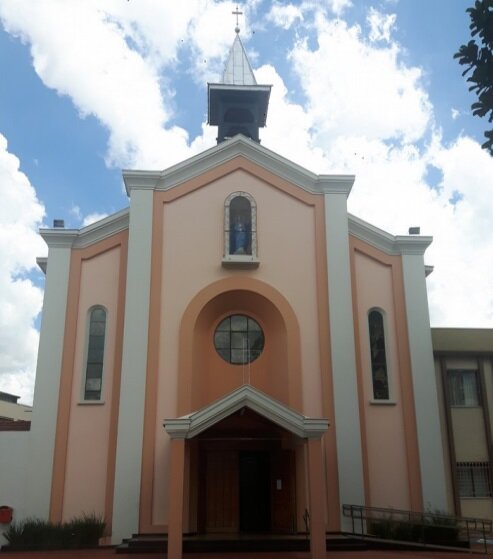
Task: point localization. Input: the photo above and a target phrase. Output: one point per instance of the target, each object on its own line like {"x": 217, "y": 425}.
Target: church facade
{"x": 232, "y": 351}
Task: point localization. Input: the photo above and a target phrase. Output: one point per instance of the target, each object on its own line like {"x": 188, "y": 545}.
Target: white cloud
{"x": 284, "y": 15}
{"x": 82, "y": 50}
{"x": 76, "y": 212}
{"x": 92, "y": 218}
{"x": 380, "y": 25}
{"x": 20, "y": 300}
{"x": 339, "y": 6}
{"x": 364, "y": 90}
{"x": 454, "y": 113}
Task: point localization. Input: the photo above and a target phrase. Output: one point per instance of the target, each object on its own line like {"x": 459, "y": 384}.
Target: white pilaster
{"x": 46, "y": 392}
{"x": 349, "y": 454}
{"x": 425, "y": 390}
{"x": 134, "y": 364}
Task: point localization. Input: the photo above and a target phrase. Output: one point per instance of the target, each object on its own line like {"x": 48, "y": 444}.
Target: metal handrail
{"x": 361, "y": 516}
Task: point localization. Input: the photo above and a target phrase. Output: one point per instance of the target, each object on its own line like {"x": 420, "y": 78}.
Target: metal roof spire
{"x": 237, "y": 105}
{"x": 238, "y": 70}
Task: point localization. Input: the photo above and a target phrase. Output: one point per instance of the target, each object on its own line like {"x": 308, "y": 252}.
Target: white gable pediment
{"x": 226, "y": 151}
{"x": 191, "y": 425}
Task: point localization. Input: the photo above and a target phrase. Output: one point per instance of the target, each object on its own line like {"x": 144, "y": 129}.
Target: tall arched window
{"x": 378, "y": 356}
{"x": 95, "y": 354}
{"x": 240, "y": 228}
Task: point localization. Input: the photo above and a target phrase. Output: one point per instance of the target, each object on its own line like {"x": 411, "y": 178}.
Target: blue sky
{"x": 90, "y": 87}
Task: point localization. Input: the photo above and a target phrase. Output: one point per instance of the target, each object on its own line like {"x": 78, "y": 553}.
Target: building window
{"x": 378, "y": 356}
{"x": 474, "y": 479}
{"x": 239, "y": 339}
{"x": 463, "y": 387}
{"x": 95, "y": 354}
{"x": 240, "y": 226}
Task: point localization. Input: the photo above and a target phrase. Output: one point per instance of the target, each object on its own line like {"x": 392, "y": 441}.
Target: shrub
{"x": 34, "y": 533}
{"x": 435, "y": 528}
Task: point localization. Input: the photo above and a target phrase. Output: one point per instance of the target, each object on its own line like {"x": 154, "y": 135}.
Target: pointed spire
{"x": 238, "y": 105}
{"x": 238, "y": 70}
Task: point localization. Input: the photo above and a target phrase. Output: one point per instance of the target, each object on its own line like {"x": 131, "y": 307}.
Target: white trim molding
{"x": 226, "y": 151}
{"x": 134, "y": 367}
{"x": 80, "y": 238}
{"x": 424, "y": 383}
{"x": 343, "y": 353}
{"x": 390, "y": 244}
{"x": 246, "y": 396}
{"x": 48, "y": 371}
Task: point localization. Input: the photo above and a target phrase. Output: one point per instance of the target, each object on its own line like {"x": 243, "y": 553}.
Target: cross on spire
{"x": 237, "y": 13}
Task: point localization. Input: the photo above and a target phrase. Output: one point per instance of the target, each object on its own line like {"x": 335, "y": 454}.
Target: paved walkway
{"x": 109, "y": 553}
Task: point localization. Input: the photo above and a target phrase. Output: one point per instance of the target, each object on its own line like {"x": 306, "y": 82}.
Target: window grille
{"x": 463, "y": 387}
{"x": 95, "y": 354}
{"x": 474, "y": 479}
{"x": 378, "y": 356}
{"x": 239, "y": 339}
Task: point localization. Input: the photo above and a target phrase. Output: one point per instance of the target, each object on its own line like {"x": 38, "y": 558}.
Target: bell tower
{"x": 238, "y": 105}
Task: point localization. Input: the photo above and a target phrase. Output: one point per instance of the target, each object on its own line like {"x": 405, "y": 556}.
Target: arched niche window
{"x": 93, "y": 380}
{"x": 240, "y": 228}
{"x": 378, "y": 356}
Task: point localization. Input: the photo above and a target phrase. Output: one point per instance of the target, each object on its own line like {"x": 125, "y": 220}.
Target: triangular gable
{"x": 226, "y": 151}
{"x": 191, "y": 425}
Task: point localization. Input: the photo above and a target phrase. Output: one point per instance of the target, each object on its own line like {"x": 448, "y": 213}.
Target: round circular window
{"x": 239, "y": 339}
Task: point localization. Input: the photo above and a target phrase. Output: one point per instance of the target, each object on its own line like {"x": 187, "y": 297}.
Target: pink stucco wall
{"x": 386, "y": 440}
{"x": 192, "y": 253}
{"x": 88, "y": 438}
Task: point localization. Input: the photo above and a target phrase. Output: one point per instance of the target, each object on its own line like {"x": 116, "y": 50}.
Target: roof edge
{"x": 93, "y": 233}
{"x": 228, "y": 150}
{"x": 193, "y": 424}
{"x": 390, "y": 244}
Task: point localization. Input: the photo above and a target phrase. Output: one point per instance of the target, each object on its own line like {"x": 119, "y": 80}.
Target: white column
{"x": 349, "y": 454}
{"x": 424, "y": 385}
{"x": 48, "y": 370}
{"x": 134, "y": 364}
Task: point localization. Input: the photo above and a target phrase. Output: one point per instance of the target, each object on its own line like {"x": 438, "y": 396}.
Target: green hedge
{"x": 439, "y": 531}
{"x": 33, "y": 533}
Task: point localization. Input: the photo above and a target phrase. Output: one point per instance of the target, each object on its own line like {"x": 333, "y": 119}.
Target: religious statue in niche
{"x": 240, "y": 234}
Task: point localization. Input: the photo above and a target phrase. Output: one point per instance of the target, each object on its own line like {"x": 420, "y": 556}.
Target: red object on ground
{"x": 6, "y": 514}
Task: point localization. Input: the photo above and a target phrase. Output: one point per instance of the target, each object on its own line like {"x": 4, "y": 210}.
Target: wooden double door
{"x": 248, "y": 491}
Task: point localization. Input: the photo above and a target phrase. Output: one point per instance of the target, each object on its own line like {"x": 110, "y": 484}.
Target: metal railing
{"x": 421, "y": 527}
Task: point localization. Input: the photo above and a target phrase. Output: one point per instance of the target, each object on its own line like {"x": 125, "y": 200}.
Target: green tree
{"x": 477, "y": 56}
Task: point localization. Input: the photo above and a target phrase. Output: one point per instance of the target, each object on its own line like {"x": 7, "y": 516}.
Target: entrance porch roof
{"x": 189, "y": 426}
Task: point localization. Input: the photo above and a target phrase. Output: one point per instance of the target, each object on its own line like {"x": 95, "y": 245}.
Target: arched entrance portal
{"x": 235, "y": 444}
{"x": 243, "y": 471}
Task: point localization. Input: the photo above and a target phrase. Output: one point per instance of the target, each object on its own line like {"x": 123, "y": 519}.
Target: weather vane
{"x": 237, "y": 13}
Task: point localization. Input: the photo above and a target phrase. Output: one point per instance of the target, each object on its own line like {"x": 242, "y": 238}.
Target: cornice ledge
{"x": 59, "y": 238}
{"x": 412, "y": 244}
{"x": 335, "y": 184}
{"x": 42, "y": 262}
{"x": 315, "y": 428}
{"x": 103, "y": 229}
{"x": 140, "y": 180}
{"x": 177, "y": 428}
{"x": 390, "y": 244}
{"x": 227, "y": 151}
{"x": 80, "y": 238}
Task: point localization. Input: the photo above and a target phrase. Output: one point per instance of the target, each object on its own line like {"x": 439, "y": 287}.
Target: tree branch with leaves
{"x": 477, "y": 56}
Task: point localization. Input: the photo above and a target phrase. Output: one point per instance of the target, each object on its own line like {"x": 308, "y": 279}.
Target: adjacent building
{"x": 464, "y": 372}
